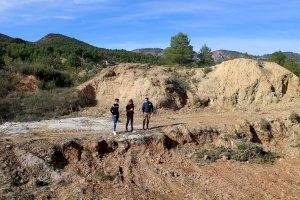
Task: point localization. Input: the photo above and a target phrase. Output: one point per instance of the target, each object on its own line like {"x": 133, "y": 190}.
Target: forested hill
{"x": 37, "y": 78}
{"x": 76, "y": 52}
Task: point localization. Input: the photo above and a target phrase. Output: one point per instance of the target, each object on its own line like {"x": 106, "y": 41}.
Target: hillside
{"x": 151, "y": 51}
{"x": 294, "y": 56}
{"x": 224, "y": 55}
{"x": 4, "y": 37}
{"x": 59, "y": 40}
{"x": 48, "y": 69}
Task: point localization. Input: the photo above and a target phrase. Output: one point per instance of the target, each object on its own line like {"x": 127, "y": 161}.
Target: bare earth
{"x": 128, "y": 168}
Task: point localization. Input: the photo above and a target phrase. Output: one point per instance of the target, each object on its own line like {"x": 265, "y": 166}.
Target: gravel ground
{"x": 69, "y": 124}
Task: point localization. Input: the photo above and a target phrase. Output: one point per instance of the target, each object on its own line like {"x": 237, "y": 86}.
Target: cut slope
{"x": 245, "y": 81}
{"x": 236, "y": 83}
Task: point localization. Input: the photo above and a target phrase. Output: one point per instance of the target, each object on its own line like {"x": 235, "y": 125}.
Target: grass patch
{"x": 207, "y": 70}
{"x": 101, "y": 174}
{"x": 244, "y": 152}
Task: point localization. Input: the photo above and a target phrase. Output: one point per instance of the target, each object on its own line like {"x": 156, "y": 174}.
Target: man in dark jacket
{"x": 129, "y": 114}
{"x": 147, "y": 111}
{"x": 115, "y": 115}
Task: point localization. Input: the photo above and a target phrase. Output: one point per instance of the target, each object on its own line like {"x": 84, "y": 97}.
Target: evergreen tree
{"x": 278, "y": 57}
{"x": 205, "y": 57}
{"x": 180, "y": 51}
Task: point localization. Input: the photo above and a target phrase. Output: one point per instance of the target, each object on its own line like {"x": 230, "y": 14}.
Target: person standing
{"x": 147, "y": 111}
{"x": 115, "y": 115}
{"x": 129, "y": 114}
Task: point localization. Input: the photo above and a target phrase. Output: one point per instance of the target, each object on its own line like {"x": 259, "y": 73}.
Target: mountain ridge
{"x": 219, "y": 55}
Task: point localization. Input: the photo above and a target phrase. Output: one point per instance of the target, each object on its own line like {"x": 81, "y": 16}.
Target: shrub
{"x": 206, "y": 70}
{"x": 264, "y": 125}
{"x": 244, "y": 152}
{"x": 86, "y": 77}
{"x": 21, "y": 106}
{"x": 101, "y": 174}
{"x": 208, "y": 156}
{"x": 294, "y": 117}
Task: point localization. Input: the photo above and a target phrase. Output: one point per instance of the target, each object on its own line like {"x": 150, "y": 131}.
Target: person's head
{"x": 146, "y": 99}
{"x": 130, "y": 101}
{"x": 117, "y": 100}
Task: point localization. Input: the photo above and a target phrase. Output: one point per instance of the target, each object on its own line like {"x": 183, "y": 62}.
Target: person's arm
{"x": 111, "y": 109}
{"x": 152, "y": 109}
{"x": 143, "y": 108}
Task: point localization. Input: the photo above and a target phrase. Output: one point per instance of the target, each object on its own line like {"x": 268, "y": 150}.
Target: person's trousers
{"x": 129, "y": 119}
{"x": 146, "y": 120}
{"x": 115, "y": 119}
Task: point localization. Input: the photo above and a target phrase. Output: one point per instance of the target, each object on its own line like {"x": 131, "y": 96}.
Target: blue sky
{"x": 253, "y": 26}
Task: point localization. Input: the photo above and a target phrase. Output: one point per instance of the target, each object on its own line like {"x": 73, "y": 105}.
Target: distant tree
{"x": 246, "y": 55}
{"x": 205, "y": 56}
{"x": 278, "y": 57}
{"x": 180, "y": 50}
{"x": 291, "y": 65}
{"x": 73, "y": 61}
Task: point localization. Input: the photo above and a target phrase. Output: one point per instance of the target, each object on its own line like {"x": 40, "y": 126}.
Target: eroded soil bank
{"x": 165, "y": 162}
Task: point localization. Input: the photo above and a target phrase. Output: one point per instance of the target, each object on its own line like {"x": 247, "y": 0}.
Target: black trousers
{"x": 129, "y": 119}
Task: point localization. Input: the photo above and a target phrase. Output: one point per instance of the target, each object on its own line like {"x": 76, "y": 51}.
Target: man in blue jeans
{"x": 147, "y": 111}
{"x": 115, "y": 115}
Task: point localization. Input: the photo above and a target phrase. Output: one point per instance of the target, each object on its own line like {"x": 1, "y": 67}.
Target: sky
{"x": 253, "y": 26}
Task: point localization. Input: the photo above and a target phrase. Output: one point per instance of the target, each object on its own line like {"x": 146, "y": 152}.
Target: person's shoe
{"x": 115, "y": 133}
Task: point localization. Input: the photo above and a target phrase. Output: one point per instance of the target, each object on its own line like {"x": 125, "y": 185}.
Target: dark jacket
{"x": 129, "y": 111}
{"x": 147, "y": 107}
{"x": 114, "y": 109}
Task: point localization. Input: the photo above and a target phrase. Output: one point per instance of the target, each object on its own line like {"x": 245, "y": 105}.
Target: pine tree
{"x": 180, "y": 51}
{"x": 205, "y": 57}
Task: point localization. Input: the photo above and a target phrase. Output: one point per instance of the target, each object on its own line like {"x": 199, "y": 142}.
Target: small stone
{"x": 81, "y": 190}
{"x": 224, "y": 158}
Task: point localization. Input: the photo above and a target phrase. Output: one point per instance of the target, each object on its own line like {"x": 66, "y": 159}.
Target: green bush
{"x": 244, "y": 152}
{"x": 45, "y": 73}
{"x": 21, "y": 106}
{"x": 264, "y": 125}
{"x": 294, "y": 117}
{"x": 206, "y": 70}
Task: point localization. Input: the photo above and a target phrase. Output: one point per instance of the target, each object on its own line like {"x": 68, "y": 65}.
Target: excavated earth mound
{"x": 235, "y": 83}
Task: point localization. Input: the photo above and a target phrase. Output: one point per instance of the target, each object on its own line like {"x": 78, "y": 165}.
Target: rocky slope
{"x": 224, "y": 55}
{"x": 151, "y": 51}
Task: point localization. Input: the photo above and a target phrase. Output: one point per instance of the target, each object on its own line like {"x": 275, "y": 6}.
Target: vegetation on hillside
{"x": 287, "y": 62}
{"x": 58, "y": 62}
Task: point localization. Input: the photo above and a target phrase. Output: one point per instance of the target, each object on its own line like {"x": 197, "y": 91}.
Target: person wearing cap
{"x": 147, "y": 111}
{"x": 115, "y": 115}
{"x": 129, "y": 114}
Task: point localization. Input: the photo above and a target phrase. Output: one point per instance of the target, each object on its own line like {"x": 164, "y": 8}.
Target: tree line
{"x": 182, "y": 53}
